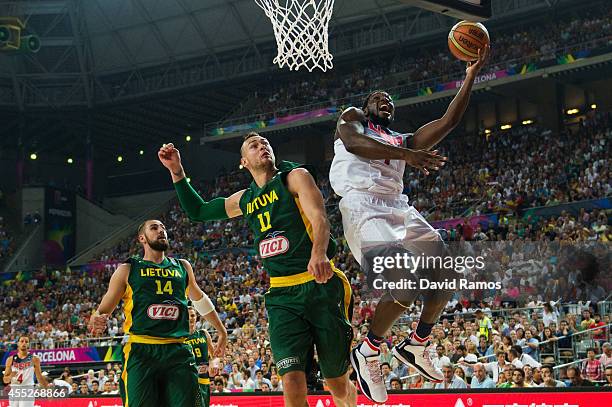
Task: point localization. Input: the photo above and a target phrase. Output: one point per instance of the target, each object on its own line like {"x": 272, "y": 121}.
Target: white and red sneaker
{"x": 369, "y": 376}
{"x": 414, "y": 351}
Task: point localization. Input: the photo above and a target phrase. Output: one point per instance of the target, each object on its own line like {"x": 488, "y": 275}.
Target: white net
{"x": 301, "y": 32}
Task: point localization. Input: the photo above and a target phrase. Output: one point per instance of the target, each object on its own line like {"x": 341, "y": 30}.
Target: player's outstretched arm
{"x": 302, "y": 185}
{"x": 351, "y": 132}
{"x": 192, "y": 203}
{"x": 116, "y": 289}
{"x": 205, "y": 307}
{"x": 433, "y": 132}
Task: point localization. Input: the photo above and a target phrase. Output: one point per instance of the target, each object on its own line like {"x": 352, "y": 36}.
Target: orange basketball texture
{"x": 466, "y": 38}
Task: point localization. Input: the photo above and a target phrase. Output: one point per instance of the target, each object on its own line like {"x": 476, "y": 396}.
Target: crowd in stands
{"x": 510, "y": 171}
{"x": 511, "y": 49}
{"x": 546, "y": 263}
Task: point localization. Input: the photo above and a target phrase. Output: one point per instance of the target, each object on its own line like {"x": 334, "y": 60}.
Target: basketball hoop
{"x": 300, "y": 29}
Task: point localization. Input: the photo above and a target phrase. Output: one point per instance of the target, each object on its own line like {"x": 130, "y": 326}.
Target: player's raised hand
{"x": 425, "y": 160}
{"x": 170, "y": 157}
{"x": 320, "y": 267}
{"x": 474, "y": 67}
{"x": 97, "y": 323}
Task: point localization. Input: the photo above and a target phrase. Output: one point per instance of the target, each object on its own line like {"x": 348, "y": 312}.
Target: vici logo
{"x": 163, "y": 311}
{"x": 273, "y": 246}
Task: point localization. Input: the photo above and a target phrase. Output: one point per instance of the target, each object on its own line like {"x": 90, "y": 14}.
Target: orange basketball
{"x": 466, "y": 38}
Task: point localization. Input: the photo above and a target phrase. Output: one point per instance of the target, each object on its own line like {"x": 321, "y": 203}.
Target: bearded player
{"x": 367, "y": 172}
{"x": 159, "y": 368}
{"x": 309, "y": 301}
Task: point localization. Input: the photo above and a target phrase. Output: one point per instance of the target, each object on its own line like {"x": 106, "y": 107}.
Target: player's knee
{"x": 339, "y": 387}
{"x": 294, "y": 383}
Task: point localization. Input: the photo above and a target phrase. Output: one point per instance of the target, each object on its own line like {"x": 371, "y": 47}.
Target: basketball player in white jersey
{"x": 20, "y": 370}
{"x": 367, "y": 172}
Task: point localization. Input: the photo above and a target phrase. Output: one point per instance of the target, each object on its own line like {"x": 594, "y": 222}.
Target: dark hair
{"x": 141, "y": 227}
{"x": 549, "y": 367}
{"x": 395, "y": 379}
{"x": 249, "y": 135}
{"x": 367, "y": 99}
{"x": 96, "y": 382}
{"x": 385, "y": 363}
{"x": 520, "y": 371}
{"x": 259, "y": 371}
{"x": 518, "y": 349}
{"x": 575, "y": 369}
{"x": 591, "y": 349}
{"x": 514, "y": 353}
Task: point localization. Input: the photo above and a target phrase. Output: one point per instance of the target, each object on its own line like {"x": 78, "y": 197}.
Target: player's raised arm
{"x": 196, "y": 208}
{"x": 116, "y": 289}
{"x": 433, "y": 132}
{"x": 350, "y": 130}
{"x": 205, "y": 307}
{"x": 301, "y": 184}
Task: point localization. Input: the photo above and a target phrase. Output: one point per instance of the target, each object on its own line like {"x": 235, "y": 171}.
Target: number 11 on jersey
{"x": 265, "y": 223}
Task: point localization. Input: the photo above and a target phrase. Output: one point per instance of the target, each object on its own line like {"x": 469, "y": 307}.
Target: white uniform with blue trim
{"x": 23, "y": 375}
{"x": 374, "y": 210}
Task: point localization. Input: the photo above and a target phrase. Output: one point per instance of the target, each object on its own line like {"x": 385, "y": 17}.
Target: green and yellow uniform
{"x": 199, "y": 345}
{"x": 301, "y": 313}
{"x": 158, "y": 367}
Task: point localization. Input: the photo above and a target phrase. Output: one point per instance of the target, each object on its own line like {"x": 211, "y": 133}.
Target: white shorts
{"x": 371, "y": 220}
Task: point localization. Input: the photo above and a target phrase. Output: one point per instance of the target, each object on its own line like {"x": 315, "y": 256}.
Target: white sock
{"x": 367, "y": 349}
{"x": 415, "y": 340}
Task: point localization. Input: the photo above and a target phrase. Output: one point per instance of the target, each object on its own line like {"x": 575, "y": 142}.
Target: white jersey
{"x": 23, "y": 370}
{"x": 352, "y": 172}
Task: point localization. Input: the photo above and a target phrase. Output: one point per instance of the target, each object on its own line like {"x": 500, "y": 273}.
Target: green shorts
{"x": 205, "y": 394}
{"x": 308, "y": 314}
{"x": 159, "y": 375}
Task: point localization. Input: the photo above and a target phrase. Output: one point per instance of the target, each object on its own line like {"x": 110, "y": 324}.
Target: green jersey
{"x": 199, "y": 345}
{"x": 155, "y": 300}
{"x": 282, "y": 233}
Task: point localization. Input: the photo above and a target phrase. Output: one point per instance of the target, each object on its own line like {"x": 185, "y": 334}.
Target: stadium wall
{"x": 94, "y": 222}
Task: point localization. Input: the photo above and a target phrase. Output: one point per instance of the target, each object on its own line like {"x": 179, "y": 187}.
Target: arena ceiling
{"x": 105, "y": 68}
